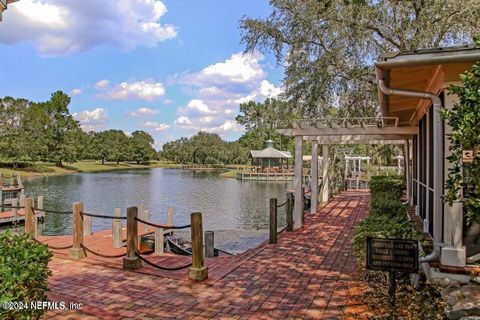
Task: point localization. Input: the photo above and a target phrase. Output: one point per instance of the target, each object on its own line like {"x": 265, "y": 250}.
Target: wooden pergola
{"x": 325, "y": 132}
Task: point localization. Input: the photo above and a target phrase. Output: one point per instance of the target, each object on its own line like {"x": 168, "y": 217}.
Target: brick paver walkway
{"x": 304, "y": 275}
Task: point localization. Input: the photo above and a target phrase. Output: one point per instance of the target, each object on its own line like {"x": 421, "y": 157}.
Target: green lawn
{"x": 42, "y": 168}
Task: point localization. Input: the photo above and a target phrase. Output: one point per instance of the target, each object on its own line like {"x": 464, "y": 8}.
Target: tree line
{"x": 46, "y": 131}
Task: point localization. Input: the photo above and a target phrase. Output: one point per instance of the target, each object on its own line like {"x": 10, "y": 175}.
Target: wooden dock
{"x": 265, "y": 176}
{"x": 9, "y": 217}
{"x": 200, "y": 168}
{"x": 102, "y": 242}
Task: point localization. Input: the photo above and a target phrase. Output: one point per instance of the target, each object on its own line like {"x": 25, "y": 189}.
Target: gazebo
{"x": 270, "y": 159}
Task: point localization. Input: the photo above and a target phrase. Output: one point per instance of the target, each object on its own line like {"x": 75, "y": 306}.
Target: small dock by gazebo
{"x": 268, "y": 164}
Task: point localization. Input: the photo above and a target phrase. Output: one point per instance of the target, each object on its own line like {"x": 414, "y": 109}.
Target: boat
{"x": 179, "y": 246}
{"x": 175, "y": 245}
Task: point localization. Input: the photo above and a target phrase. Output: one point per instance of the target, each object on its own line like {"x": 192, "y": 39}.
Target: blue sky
{"x": 170, "y": 67}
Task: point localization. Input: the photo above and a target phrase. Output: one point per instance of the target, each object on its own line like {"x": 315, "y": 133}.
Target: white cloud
{"x": 75, "y": 92}
{"x": 60, "y": 27}
{"x": 183, "y": 122}
{"x": 102, "y": 84}
{"x": 240, "y": 68}
{"x": 143, "y": 112}
{"x": 168, "y": 101}
{"x": 155, "y": 126}
{"x": 266, "y": 90}
{"x": 93, "y": 120}
{"x": 138, "y": 90}
{"x": 221, "y": 88}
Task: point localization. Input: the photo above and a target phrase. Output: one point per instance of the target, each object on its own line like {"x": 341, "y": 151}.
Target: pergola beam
{"x": 348, "y": 131}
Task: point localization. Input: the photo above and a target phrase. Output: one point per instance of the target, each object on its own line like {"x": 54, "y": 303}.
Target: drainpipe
{"x": 437, "y": 157}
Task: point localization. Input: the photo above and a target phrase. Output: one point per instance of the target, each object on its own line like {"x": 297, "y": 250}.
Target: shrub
{"x": 386, "y": 203}
{"x": 15, "y": 164}
{"x": 23, "y": 273}
{"x": 391, "y": 184}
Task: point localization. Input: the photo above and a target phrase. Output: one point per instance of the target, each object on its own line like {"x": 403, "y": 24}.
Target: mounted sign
{"x": 468, "y": 156}
{"x": 394, "y": 255}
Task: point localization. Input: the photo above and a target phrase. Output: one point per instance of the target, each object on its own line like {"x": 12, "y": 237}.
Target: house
{"x": 413, "y": 87}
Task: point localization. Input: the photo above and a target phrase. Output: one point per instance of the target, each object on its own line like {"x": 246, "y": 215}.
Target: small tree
{"x": 464, "y": 119}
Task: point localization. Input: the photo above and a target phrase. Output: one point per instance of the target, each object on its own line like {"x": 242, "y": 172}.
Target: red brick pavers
{"x": 303, "y": 276}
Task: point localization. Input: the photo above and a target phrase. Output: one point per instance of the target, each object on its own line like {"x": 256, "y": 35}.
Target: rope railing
{"x": 162, "y": 225}
{"x": 52, "y": 247}
{"x": 102, "y": 255}
{"x": 36, "y": 209}
{"x": 160, "y": 267}
{"x": 281, "y": 205}
{"x": 102, "y": 216}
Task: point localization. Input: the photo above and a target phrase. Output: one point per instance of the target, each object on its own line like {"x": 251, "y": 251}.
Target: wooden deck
{"x": 102, "y": 242}
{"x": 7, "y": 217}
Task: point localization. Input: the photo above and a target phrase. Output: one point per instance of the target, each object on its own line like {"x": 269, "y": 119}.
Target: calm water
{"x": 226, "y": 204}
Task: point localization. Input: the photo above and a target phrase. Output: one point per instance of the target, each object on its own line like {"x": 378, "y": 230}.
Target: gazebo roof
{"x": 271, "y": 153}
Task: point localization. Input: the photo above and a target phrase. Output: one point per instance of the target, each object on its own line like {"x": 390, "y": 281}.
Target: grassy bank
{"x": 47, "y": 169}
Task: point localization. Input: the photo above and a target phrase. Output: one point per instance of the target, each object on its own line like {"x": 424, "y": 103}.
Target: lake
{"x": 236, "y": 210}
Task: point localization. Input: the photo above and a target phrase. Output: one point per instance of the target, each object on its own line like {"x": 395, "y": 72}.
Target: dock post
{"x": 273, "y": 220}
{"x": 40, "y": 203}
{"x": 77, "y": 252}
{"x": 198, "y": 271}
{"x": 289, "y": 211}
{"x": 22, "y": 200}
{"x": 169, "y": 217}
{"x": 159, "y": 241}
{"x": 19, "y": 181}
{"x": 117, "y": 230}
{"x": 87, "y": 225}
{"x": 29, "y": 217}
{"x": 132, "y": 261}
{"x": 146, "y": 217}
{"x": 209, "y": 244}
{"x": 14, "y": 204}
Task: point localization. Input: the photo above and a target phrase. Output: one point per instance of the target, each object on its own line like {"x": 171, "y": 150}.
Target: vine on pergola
{"x": 464, "y": 119}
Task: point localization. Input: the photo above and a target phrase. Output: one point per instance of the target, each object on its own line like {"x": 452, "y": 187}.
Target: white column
{"x": 313, "y": 207}
{"x": 417, "y": 155}
{"x": 408, "y": 172}
{"x": 453, "y": 253}
{"x": 298, "y": 183}
{"x": 437, "y": 176}
{"x": 325, "y": 162}
{"x": 426, "y": 222}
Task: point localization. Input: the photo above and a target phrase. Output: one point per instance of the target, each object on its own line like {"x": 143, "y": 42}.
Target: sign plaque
{"x": 393, "y": 255}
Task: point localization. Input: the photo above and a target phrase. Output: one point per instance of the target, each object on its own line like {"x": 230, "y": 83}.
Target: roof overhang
{"x": 423, "y": 71}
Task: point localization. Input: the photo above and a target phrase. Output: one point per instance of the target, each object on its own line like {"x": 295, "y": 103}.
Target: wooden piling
{"x": 146, "y": 217}
{"x": 289, "y": 211}
{"x": 29, "y": 217}
{"x": 117, "y": 230}
{"x": 14, "y": 204}
{"x": 169, "y": 218}
{"x": 40, "y": 200}
{"x": 77, "y": 252}
{"x": 22, "y": 200}
{"x": 132, "y": 261}
{"x": 159, "y": 241}
{"x": 198, "y": 271}
{"x": 209, "y": 244}
{"x": 273, "y": 220}
{"x": 87, "y": 225}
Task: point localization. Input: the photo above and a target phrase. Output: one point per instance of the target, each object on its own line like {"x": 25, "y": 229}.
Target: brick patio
{"x": 304, "y": 275}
